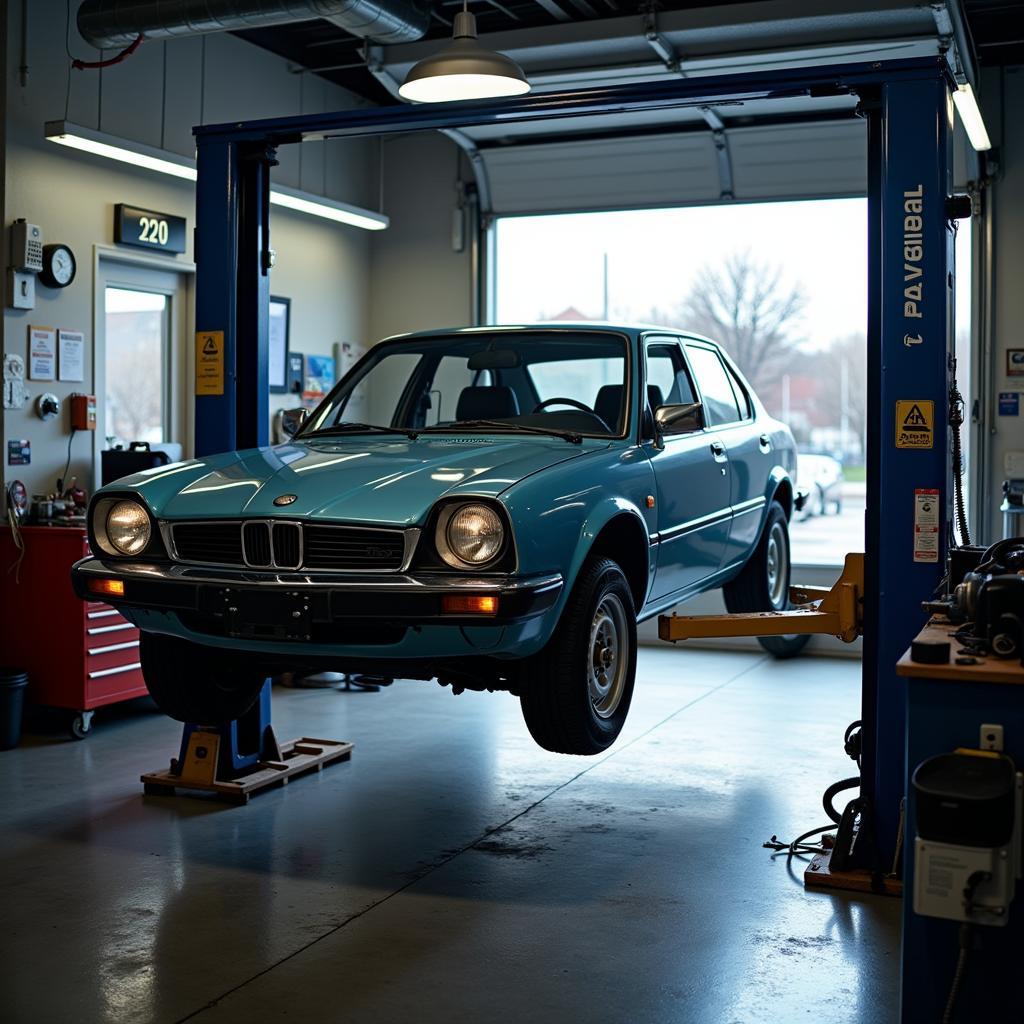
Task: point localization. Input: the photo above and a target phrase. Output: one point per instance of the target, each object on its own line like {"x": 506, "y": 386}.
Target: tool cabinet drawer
{"x": 110, "y": 653}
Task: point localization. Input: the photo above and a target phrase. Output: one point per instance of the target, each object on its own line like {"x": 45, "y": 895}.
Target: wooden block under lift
{"x": 199, "y": 770}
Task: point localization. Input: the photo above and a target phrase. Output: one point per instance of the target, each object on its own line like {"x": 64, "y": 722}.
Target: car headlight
{"x": 127, "y": 527}
{"x": 469, "y": 535}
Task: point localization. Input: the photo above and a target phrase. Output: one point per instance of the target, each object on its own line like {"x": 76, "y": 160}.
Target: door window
{"x": 720, "y": 402}
{"x": 666, "y": 371}
{"x": 137, "y": 344}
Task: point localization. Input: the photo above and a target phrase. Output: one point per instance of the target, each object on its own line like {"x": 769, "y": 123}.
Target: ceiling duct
{"x": 111, "y": 24}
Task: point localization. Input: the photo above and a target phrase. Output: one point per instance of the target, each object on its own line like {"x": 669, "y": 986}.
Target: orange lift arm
{"x": 838, "y": 612}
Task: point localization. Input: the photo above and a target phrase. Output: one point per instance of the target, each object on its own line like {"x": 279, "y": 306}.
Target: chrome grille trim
{"x": 410, "y": 538}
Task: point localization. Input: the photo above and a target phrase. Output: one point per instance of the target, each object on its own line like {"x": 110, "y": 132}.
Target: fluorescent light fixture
{"x": 137, "y": 154}
{"x": 463, "y": 70}
{"x": 329, "y": 209}
{"x": 967, "y": 107}
{"x": 74, "y": 136}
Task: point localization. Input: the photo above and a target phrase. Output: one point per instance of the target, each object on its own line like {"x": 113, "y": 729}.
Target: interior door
{"x": 143, "y": 325}
{"x": 692, "y": 478}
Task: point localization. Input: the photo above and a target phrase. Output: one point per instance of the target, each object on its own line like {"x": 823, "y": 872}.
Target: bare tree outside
{"x": 748, "y": 307}
{"x": 841, "y": 398}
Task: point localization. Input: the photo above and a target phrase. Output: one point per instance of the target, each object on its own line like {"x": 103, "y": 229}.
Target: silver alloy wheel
{"x": 777, "y": 567}
{"x": 609, "y": 656}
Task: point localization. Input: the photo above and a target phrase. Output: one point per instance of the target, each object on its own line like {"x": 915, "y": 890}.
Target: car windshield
{"x": 569, "y": 383}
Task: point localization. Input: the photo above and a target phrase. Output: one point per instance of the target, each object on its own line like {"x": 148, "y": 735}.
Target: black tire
{"x": 196, "y": 684}
{"x": 570, "y": 703}
{"x": 763, "y": 585}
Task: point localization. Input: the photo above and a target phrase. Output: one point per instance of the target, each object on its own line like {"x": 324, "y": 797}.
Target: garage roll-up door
{"x": 803, "y": 161}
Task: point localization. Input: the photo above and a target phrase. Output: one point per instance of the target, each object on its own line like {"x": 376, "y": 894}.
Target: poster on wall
{"x": 319, "y": 379}
{"x": 277, "y": 354}
{"x": 71, "y": 345}
{"x": 42, "y": 353}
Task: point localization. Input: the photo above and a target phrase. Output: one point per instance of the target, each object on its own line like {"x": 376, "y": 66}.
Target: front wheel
{"x": 763, "y": 585}
{"x": 576, "y": 692}
{"x": 196, "y": 684}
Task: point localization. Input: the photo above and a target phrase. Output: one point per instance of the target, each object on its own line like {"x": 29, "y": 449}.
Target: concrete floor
{"x": 452, "y": 870}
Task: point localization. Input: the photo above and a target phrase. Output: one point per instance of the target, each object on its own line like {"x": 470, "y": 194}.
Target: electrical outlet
{"x": 991, "y": 737}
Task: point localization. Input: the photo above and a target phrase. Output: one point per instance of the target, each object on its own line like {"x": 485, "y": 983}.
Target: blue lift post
{"x": 907, "y": 105}
{"x": 910, "y": 256}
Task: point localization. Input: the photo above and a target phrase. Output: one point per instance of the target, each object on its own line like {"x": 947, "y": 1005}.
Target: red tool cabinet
{"x": 78, "y": 655}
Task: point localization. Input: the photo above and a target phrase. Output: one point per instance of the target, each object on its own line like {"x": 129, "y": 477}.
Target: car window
{"x": 742, "y": 397}
{"x": 582, "y": 380}
{"x": 437, "y": 380}
{"x": 666, "y": 370}
{"x": 720, "y": 404}
{"x": 451, "y": 376}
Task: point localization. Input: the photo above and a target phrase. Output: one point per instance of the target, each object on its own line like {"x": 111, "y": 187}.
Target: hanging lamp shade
{"x": 464, "y": 70}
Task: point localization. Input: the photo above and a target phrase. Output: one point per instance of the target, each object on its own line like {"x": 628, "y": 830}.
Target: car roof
{"x": 583, "y": 326}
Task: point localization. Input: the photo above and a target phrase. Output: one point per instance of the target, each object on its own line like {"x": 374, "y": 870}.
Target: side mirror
{"x": 292, "y": 419}
{"x": 679, "y": 419}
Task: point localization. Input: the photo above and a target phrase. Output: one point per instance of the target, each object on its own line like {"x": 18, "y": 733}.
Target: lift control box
{"x": 83, "y": 412}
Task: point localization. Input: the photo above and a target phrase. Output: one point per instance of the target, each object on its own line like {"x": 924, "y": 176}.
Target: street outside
{"x": 826, "y": 539}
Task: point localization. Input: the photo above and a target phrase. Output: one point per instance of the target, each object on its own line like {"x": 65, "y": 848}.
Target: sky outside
{"x": 548, "y": 263}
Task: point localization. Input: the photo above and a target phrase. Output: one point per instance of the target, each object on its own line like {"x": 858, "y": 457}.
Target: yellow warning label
{"x": 209, "y": 362}
{"x": 915, "y": 423}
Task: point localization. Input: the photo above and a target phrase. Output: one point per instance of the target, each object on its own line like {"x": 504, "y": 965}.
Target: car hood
{"x": 360, "y": 479}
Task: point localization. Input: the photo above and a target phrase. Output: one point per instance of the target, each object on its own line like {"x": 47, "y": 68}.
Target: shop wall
{"x": 323, "y": 267}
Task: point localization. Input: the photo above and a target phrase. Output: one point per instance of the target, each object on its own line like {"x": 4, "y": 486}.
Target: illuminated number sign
{"x": 148, "y": 229}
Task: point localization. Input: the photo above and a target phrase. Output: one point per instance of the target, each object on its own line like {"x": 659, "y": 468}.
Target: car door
{"x": 731, "y": 412}
{"x": 691, "y": 476}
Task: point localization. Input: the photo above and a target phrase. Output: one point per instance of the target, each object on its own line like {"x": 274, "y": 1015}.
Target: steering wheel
{"x": 564, "y": 401}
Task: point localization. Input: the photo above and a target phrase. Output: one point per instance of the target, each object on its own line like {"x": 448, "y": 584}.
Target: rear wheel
{"x": 763, "y": 585}
{"x": 196, "y": 684}
{"x": 576, "y": 692}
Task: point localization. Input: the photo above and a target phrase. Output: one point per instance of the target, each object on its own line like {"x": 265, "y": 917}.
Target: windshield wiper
{"x": 358, "y": 428}
{"x": 570, "y": 435}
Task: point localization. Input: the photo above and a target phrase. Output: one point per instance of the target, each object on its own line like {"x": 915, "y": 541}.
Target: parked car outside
{"x": 495, "y": 508}
{"x": 822, "y": 476}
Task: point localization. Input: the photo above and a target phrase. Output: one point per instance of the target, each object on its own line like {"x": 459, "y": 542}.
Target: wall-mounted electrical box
{"x": 26, "y": 247}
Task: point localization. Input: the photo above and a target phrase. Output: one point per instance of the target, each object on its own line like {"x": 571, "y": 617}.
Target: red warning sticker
{"x": 926, "y": 524}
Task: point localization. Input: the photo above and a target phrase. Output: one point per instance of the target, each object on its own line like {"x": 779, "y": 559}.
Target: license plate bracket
{"x": 271, "y": 615}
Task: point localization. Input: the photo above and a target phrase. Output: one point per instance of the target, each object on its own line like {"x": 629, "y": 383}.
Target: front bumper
{"x": 321, "y": 609}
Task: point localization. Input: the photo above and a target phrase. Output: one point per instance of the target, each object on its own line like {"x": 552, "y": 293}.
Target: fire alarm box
{"x": 83, "y": 412}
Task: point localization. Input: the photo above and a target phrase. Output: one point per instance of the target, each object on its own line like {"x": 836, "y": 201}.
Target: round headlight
{"x": 474, "y": 535}
{"x": 128, "y": 528}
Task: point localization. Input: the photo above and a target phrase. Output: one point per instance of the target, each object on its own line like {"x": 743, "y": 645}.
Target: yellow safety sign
{"x": 915, "y": 423}
{"x": 209, "y": 362}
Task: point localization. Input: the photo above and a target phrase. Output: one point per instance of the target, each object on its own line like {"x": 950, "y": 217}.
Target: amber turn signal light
{"x": 471, "y": 604}
{"x": 112, "y": 588}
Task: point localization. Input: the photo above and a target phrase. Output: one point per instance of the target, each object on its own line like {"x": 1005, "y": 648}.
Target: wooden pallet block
{"x": 818, "y": 876}
{"x": 297, "y": 757}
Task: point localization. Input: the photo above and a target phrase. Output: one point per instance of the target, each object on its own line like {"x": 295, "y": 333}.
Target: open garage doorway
{"x": 781, "y": 285}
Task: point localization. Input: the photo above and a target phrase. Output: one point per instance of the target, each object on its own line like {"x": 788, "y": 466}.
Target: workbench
{"x": 946, "y": 705}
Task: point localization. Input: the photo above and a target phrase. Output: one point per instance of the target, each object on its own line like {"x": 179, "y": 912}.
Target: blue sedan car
{"x": 495, "y": 508}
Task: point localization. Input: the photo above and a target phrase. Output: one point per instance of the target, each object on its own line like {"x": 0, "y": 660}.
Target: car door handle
{"x": 718, "y": 450}
{"x": 765, "y": 443}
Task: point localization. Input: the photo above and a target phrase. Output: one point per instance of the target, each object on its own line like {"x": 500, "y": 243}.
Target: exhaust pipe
{"x": 113, "y": 24}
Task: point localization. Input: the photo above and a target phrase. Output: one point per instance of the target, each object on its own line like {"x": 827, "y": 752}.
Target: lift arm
{"x": 815, "y": 610}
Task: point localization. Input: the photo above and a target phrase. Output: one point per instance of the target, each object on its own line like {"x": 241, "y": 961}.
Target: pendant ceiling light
{"x": 464, "y": 70}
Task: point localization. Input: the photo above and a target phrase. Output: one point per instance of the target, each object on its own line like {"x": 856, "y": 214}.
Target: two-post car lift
{"x": 906, "y": 105}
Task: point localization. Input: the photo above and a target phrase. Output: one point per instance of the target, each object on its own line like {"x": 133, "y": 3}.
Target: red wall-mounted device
{"x": 83, "y": 412}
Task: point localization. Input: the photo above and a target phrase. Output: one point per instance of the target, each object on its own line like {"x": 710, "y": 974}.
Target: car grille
{"x": 216, "y": 543}
{"x": 290, "y": 545}
{"x": 335, "y": 547}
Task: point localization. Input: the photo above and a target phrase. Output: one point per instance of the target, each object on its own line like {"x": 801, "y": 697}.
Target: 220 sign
{"x": 148, "y": 229}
